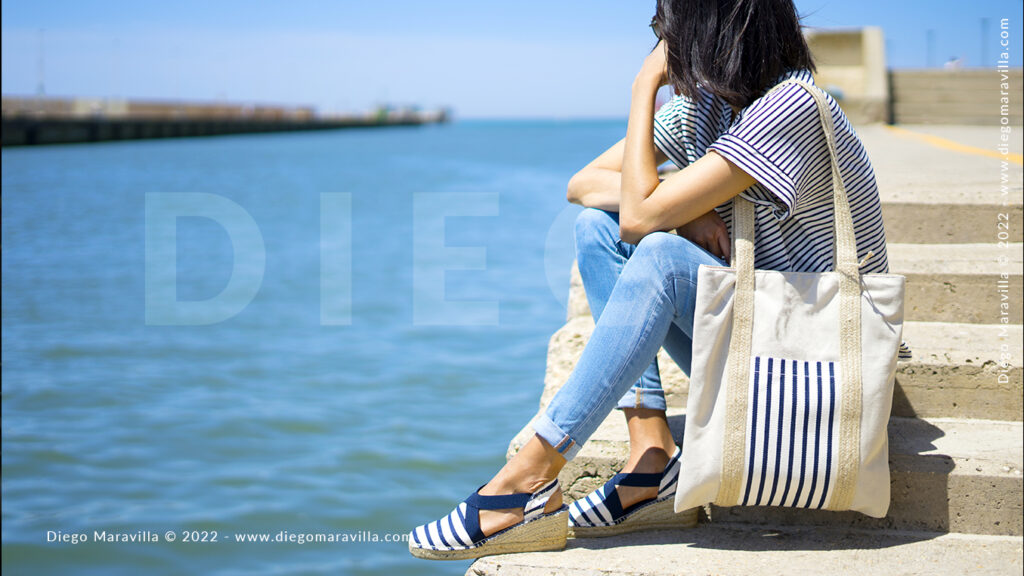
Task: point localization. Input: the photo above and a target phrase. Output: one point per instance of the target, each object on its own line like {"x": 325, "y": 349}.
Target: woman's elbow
{"x": 573, "y": 192}
{"x": 631, "y": 230}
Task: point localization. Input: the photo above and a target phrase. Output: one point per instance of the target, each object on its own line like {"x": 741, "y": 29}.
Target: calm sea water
{"x": 271, "y": 420}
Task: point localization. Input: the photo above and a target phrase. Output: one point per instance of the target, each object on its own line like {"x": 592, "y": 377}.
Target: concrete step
{"x": 925, "y": 80}
{"x": 961, "y": 371}
{"x": 976, "y": 102}
{"x": 960, "y": 282}
{"x": 945, "y": 222}
{"x": 947, "y": 475}
{"x": 953, "y": 96}
{"x": 906, "y": 113}
{"x": 732, "y": 550}
{"x": 956, "y": 371}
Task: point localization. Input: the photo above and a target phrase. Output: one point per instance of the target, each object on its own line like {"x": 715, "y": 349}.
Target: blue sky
{"x": 529, "y": 58}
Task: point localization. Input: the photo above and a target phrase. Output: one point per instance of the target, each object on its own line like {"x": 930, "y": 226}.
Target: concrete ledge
{"x": 730, "y": 550}
{"x": 947, "y": 476}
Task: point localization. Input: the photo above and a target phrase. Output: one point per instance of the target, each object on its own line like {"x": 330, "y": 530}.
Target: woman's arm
{"x": 599, "y": 184}
{"x": 649, "y": 205}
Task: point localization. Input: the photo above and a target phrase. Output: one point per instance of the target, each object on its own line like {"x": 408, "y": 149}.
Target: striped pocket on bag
{"x": 793, "y": 431}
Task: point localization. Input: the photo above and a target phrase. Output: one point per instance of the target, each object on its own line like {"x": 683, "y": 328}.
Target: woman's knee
{"x": 660, "y": 242}
{"x": 596, "y": 228}
{"x": 671, "y": 254}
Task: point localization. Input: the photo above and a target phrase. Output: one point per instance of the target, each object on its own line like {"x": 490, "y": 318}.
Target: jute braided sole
{"x": 658, "y": 515}
{"x": 547, "y": 532}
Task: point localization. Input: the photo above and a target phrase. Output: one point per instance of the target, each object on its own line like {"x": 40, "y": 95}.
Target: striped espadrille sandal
{"x": 600, "y": 513}
{"x": 457, "y": 536}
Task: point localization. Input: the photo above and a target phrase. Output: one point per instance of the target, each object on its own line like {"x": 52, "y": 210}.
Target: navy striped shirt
{"x": 778, "y": 140}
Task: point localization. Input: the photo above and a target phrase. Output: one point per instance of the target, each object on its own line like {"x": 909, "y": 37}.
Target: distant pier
{"x": 32, "y": 121}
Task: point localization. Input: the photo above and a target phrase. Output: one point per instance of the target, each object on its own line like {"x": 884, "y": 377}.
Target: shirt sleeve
{"x": 676, "y": 126}
{"x": 778, "y": 141}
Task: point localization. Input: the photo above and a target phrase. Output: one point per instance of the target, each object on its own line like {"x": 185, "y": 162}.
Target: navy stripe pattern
{"x": 778, "y": 140}
{"x": 602, "y": 507}
{"x": 793, "y": 424}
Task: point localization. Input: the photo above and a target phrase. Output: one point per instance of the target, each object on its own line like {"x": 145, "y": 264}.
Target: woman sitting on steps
{"x": 728, "y": 138}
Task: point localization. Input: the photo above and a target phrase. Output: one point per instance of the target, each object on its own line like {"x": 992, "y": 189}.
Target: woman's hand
{"x": 655, "y": 68}
{"x": 709, "y": 232}
{"x": 685, "y": 198}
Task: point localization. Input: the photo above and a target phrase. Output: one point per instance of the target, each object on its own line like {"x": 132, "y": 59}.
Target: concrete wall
{"x": 851, "y": 66}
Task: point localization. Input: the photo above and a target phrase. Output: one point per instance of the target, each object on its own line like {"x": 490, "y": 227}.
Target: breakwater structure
{"x": 35, "y": 120}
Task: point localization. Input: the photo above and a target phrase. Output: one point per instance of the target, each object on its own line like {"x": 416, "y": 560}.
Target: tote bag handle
{"x": 844, "y": 262}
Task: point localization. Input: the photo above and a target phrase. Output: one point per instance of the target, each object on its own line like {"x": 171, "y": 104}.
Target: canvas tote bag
{"x": 792, "y": 375}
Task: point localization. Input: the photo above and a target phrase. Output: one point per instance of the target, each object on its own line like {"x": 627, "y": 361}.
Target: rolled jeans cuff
{"x": 637, "y": 397}
{"x": 555, "y": 436}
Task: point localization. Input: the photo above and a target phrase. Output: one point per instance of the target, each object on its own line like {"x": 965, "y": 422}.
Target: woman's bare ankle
{"x": 512, "y": 481}
{"x": 650, "y": 439}
{"x": 533, "y": 466}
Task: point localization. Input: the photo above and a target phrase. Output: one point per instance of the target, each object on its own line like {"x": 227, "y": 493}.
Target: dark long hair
{"x": 734, "y": 49}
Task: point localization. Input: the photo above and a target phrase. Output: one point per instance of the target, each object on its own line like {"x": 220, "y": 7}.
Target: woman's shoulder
{"x": 782, "y": 88}
{"x": 782, "y": 102}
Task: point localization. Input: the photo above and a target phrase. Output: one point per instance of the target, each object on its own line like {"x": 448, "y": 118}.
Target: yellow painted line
{"x": 945, "y": 144}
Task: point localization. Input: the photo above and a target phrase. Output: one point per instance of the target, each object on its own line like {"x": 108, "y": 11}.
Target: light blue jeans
{"x": 642, "y": 298}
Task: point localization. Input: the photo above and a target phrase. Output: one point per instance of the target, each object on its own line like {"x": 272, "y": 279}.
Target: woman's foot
{"x": 519, "y": 510}
{"x": 651, "y": 461}
{"x": 493, "y": 521}
{"x": 603, "y": 513}
{"x": 531, "y": 468}
{"x": 640, "y": 496}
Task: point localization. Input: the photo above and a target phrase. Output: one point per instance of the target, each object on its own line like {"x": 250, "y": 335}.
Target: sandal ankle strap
{"x": 642, "y": 479}
{"x": 498, "y": 502}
